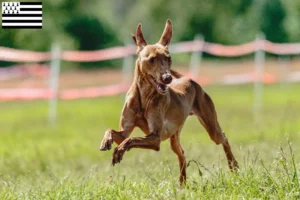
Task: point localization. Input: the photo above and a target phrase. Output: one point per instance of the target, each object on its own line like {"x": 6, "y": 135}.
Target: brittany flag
{"x": 22, "y": 15}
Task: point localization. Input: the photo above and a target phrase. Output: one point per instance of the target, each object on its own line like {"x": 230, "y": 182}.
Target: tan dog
{"x": 159, "y": 105}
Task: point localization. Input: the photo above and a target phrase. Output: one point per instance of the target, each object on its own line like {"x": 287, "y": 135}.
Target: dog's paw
{"x": 105, "y": 145}
{"x": 117, "y": 156}
{"x": 233, "y": 165}
{"x": 107, "y": 141}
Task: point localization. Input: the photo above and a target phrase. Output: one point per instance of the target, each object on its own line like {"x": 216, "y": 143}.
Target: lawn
{"x": 63, "y": 161}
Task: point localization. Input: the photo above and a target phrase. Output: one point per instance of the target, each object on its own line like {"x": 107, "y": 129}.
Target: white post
{"x": 259, "y": 75}
{"x": 54, "y": 82}
{"x": 127, "y": 67}
{"x": 194, "y": 67}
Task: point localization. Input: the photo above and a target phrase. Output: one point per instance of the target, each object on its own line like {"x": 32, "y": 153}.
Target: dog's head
{"x": 155, "y": 60}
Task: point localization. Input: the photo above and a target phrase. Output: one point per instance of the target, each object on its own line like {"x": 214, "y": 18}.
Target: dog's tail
{"x": 176, "y": 74}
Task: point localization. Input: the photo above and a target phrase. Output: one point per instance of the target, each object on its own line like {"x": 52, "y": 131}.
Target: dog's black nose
{"x": 167, "y": 78}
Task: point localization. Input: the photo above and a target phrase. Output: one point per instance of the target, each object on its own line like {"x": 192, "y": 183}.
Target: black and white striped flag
{"x": 21, "y": 15}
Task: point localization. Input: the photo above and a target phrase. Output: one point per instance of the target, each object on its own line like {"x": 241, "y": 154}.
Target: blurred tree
{"x": 90, "y": 33}
{"x": 92, "y": 24}
{"x": 7, "y": 40}
{"x": 222, "y": 21}
{"x": 292, "y": 22}
{"x": 272, "y": 21}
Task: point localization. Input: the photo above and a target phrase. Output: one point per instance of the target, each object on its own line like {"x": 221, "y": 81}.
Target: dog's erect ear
{"x": 138, "y": 38}
{"x": 167, "y": 34}
{"x": 134, "y": 38}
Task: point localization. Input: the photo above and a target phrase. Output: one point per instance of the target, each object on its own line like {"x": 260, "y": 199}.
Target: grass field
{"x": 39, "y": 161}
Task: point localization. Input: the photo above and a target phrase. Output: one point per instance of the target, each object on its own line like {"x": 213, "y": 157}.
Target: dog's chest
{"x": 169, "y": 129}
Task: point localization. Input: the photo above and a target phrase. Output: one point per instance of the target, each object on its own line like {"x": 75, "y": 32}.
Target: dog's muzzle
{"x": 160, "y": 87}
{"x": 166, "y": 78}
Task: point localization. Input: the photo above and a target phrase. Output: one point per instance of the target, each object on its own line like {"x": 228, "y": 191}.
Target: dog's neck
{"x": 147, "y": 90}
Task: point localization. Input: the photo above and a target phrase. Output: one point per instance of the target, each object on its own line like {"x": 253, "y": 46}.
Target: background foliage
{"x": 88, "y": 25}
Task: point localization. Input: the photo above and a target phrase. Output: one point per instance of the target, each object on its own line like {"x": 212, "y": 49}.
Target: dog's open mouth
{"x": 160, "y": 87}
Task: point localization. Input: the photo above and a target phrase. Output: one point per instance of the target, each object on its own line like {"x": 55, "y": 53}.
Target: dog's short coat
{"x": 158, "y": 102}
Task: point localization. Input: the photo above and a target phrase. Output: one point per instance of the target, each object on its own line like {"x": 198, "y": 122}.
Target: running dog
{"x": 158, "y": 102}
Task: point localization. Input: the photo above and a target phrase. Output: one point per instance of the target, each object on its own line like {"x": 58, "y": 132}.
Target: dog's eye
{"x": 151, "y": 60}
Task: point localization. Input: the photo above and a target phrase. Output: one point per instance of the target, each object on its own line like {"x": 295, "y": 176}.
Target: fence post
{"x": 127, "y": 66}
{"x": 259, "y": 76}
{"x": 195, "y": 62}
{"x": 54, "y": 82}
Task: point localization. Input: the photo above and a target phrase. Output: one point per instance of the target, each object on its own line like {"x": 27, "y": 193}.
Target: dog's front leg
{"x": 111, "y": 136}
{"x": 151, "y": 141}
{"x": 127, "y": 124}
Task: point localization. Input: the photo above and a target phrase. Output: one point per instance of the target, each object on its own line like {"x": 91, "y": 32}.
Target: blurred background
{"x": 93, "y": 25}
{"x": 63, "y": 85}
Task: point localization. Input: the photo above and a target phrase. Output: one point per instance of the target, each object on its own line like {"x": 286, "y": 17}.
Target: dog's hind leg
{"x": 204, "y": 109}
{"x": 176, "y": 147}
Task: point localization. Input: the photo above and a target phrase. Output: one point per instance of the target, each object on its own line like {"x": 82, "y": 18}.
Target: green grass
{"x": 39, "y": 161}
